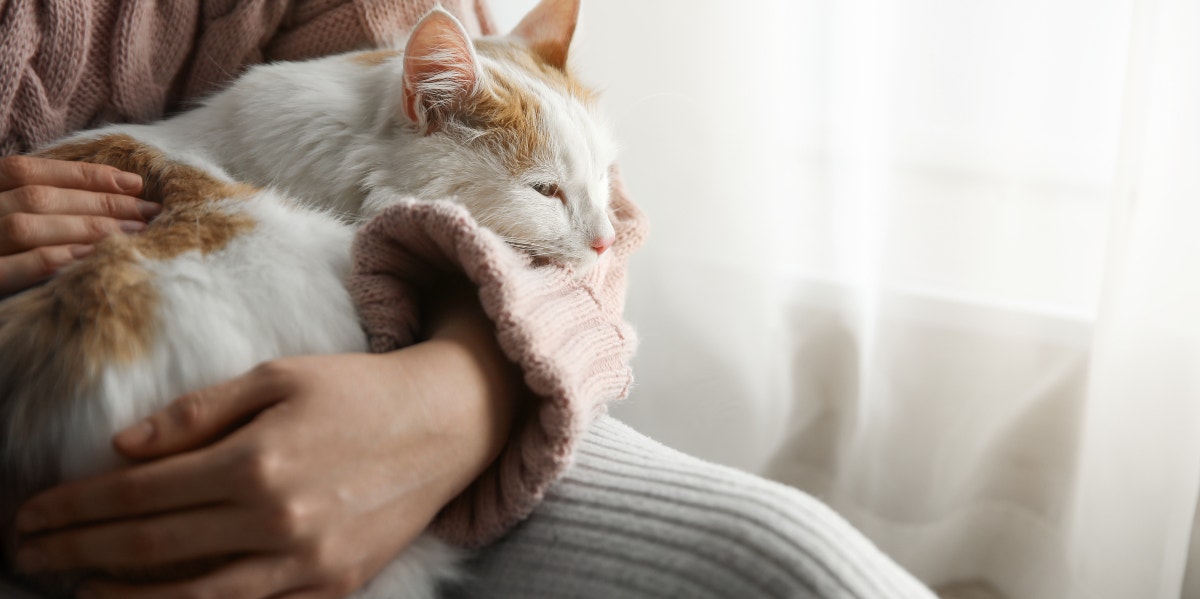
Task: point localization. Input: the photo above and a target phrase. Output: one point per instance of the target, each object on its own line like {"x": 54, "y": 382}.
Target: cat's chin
{"x": 582, "y": 268}
{"x": 578, "y": 268}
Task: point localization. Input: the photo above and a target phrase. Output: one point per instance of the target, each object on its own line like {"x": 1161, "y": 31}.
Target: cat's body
{"x": 262, "y": 188}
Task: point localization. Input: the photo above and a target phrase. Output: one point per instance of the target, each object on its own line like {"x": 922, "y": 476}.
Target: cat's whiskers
{"x": 533, "y": 248}
{"x": 344, "y": 215}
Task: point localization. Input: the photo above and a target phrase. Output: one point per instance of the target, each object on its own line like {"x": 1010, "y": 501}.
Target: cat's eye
{"x": 549, "y": 190}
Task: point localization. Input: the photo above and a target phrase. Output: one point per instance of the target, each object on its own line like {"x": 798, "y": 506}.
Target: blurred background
{"x": 933, "y": 261}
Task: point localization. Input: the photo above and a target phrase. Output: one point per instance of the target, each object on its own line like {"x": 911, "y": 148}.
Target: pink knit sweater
{"x": 68, "y": 64}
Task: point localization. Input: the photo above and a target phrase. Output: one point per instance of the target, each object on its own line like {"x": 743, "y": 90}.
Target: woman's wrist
{"x": 481, "y": 390}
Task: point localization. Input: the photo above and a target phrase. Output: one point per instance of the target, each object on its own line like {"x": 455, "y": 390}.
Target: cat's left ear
{"x": 440, "y": 69}
{"x": 548, "y": 29}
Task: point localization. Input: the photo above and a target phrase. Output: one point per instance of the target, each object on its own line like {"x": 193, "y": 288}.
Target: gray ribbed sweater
{"x": 632, "y": 518}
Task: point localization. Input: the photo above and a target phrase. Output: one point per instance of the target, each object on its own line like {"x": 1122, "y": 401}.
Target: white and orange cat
{"x": 263, "y": 186}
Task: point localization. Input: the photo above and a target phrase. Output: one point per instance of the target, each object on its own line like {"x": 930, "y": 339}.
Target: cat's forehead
{"x": 514, "y": 57}
{"x": 535, "y": 113}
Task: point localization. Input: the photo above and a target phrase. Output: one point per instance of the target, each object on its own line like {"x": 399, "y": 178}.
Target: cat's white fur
{"x": 329, "y": 142}
{"x": 327, "y": 133}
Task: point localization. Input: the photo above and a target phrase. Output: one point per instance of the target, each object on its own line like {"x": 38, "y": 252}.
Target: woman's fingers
{"x": 51, "y": 209}
{"x": 253, "y": 577}
{"x": 334, "y": 505}
{"x": 44, "y": 199}
{"x": 221, "y": 529}
{"x": 19, "y": 171}
{"x": 176, "y": 482}
{"x": 22, "y": 231}
{"x": 198, "y": 418}
{"x": 23, "y": 270}
{"x": 180, "y": 482}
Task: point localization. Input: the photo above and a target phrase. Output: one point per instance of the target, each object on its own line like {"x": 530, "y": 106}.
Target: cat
{"x": 263, "y": 186}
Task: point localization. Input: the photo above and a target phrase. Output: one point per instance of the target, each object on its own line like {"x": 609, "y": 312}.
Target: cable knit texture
{"x": 565, "y": 332}
{"x": 70, "y": 64}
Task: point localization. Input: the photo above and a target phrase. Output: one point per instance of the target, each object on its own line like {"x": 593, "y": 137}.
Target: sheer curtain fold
{"x": 933, "y": 261}
{"x": 1140, "y": 480}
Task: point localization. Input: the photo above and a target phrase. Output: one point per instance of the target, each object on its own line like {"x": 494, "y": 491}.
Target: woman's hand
{"x": 345, "y": 461}
{"x": 51, "y": 211}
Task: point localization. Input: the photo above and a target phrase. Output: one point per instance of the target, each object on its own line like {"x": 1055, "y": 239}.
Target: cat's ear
{"x": 440, "y": 69}
{"x": 548, "y": 29}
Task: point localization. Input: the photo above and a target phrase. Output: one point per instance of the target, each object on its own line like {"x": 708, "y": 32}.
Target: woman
{"x": 478, "y": 448}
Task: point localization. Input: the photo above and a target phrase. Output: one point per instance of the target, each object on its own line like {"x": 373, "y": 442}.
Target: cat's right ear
{"x": 440, "y": 70}
{"x": 548, "y": 29}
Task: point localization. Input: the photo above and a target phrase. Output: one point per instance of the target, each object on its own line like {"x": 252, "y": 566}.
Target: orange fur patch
{"x": 187, "y": 222}
{"x": 507, "y": 112}
{"x": 374, "y": 58}
{"x": 534, "y": 64}
{"x": 166, "y": 181}
{"x": 509, "y": 116}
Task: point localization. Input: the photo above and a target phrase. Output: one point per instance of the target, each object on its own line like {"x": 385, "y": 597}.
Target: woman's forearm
{"x": 482, "y": 389}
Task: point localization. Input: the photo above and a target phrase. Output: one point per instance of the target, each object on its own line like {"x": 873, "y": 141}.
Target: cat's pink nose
{"x": 601, "y": 244}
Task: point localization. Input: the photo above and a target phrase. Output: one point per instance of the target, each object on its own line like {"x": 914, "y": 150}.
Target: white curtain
{"x": 936, "y": 262}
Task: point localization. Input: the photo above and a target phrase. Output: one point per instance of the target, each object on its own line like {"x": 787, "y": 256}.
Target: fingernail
{"x": 137, "y": 434}
{"x": 82, "y": 251}
{"x": 132, "y": 226}
{"x": 128, "y": 181}
{"x": 31, "y": 560}
{"x": 30, "y": 521}
{"x": 148, "y": 209}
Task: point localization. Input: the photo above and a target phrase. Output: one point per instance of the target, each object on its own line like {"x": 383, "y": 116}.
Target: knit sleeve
{"x": 321, "y": 27}
{"x": 236, "y": 33}
{"x": 566, "y": 334}
{"x": 66, "y": 64}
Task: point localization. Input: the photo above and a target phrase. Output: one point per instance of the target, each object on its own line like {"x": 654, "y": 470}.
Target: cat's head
{"x": 504, "y": 128}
